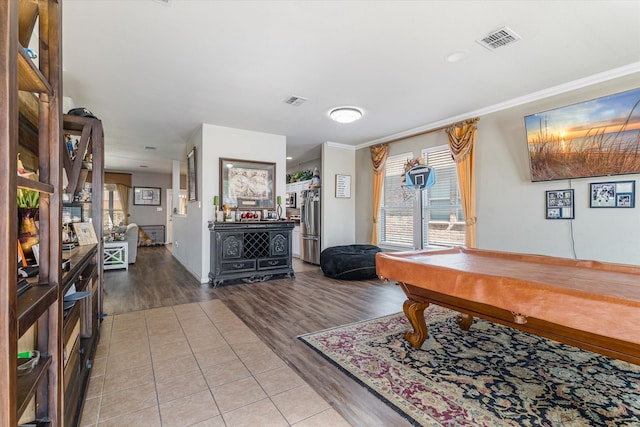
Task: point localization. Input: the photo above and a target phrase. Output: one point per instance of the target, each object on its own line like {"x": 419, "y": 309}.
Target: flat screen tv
{"x": 599, "y": 137}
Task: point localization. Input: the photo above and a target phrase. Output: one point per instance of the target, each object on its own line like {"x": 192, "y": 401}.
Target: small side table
{"x": 116, "y": 255}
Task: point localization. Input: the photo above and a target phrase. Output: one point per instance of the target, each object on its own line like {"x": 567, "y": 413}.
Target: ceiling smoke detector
{"x": 296, "y": 101}
{"x": 499, "y": 38}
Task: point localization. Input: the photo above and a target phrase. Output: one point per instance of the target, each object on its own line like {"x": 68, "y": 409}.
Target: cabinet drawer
{"x": 239, "y": 265}
{"x": 265, "y": 264}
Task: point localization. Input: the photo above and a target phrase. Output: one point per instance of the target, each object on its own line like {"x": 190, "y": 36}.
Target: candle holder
{"x": 279, "y": 209}
{"x": 216, "y": 209}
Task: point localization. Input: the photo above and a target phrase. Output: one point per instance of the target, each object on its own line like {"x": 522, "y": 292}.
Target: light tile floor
{"x": 195, "y": 365}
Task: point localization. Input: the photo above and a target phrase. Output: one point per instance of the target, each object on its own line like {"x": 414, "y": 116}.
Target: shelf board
{"x": 30, "y": 79}
{"x": 30, "y": 184}
{"x": 27, "y": 384}
{"x": 33, "y": 303}
{"x": 76, "y": 123}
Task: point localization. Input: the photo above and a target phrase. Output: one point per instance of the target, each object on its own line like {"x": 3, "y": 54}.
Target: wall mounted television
{"x": 599, "y": 137}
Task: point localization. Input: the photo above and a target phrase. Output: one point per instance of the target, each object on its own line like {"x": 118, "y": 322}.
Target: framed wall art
{"x": 192, "y": 176}
{"x": 599, "y": 137}
{"x": 150, "y": 196}
{"x": 560, "y": 204}
{"x": 343, "y": 186}
{"x": 247, "y": 185}
{"x": 612, "y": 194}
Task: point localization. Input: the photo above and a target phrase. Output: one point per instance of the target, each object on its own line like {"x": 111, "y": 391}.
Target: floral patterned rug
{"x": 491, "y": 375}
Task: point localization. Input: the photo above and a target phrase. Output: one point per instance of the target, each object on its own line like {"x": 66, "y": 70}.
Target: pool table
{"x": 589, "y": 304}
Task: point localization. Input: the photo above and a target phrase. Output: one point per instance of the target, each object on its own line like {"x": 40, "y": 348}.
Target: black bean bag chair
{"x": 350, "y": 262}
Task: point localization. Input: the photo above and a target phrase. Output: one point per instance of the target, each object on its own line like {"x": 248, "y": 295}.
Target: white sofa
{"x": 132, "y": 239}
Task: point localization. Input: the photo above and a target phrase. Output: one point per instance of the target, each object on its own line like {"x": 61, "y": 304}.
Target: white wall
{"x": 511, "y": 209}
{"x": 503, "y": 181}
{"x": 188, "y": 229}
{"x": 338, "y": 214}
{"x": 213, "y": 142}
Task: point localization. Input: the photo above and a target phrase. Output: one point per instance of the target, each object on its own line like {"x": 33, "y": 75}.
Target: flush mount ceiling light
{"x": 345, "y": 114}
{"x": 457, "y": 55}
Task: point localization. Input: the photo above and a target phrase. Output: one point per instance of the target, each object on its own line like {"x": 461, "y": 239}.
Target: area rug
{"x": 491, "y": 375}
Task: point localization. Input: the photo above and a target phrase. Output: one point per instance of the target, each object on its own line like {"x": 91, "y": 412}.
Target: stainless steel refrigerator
{"x": 310, "y": 226}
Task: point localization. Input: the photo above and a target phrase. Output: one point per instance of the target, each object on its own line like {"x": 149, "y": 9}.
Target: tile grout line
{"x": 153, "y": 370}
{"x": 269, "y": 397}
{"x": 197, "y": 363}
{"x": 182, "y": 320}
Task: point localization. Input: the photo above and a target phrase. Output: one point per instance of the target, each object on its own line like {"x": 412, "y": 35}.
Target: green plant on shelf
{"x": 299, "y": 176}
{"x": 28, "y": 198}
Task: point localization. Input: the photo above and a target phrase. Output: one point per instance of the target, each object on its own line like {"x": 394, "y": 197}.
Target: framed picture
{"x": 560, "y": 204}
{"x": 247, "y": 185}
{"x": 598, "y": 137}
{"x": 343, "y": 186}
{"x": 86, "y": 234}
{"x": 613, "y": 194}
{"x": 150, "y": 196}
{"x": 192, "y": 176}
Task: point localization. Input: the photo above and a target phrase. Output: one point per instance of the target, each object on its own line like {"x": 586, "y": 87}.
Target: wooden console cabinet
{"x": 251, "y": 251}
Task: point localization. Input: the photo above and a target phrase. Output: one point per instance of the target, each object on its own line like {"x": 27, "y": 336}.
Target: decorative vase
{"x": 28, "y": 232}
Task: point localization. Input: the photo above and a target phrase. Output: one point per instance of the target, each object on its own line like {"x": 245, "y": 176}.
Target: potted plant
{"x": 28, "y": 208}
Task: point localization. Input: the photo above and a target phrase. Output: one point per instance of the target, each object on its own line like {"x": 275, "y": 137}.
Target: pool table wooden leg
{"x": 415, "y": 313}
{"x": 464, "y": 321}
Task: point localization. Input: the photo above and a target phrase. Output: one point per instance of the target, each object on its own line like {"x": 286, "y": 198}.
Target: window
{"x": 113, "y": 215}
{"x": 444, "y": 222}
{"x": 411, "y": 219}
{"x": 396, "y": 207}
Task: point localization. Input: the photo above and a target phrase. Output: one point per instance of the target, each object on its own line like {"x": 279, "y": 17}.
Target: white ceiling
{"x": 153, "y": 71}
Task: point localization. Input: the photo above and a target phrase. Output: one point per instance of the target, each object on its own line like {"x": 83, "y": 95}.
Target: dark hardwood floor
{"x": 277, "y": 311}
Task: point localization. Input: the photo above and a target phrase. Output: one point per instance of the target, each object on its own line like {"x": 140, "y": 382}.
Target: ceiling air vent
{"x": 499, "y": 38}
{"x": 296, "y": 101}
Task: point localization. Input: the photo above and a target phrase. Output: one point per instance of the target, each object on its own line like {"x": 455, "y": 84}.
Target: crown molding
{"x": 534, "y": 96}
{"x": 343, "y": 146}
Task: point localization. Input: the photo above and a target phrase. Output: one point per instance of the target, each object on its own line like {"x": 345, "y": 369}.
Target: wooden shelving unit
{"x": 81, "y": 323}
{"x": 30, "y": 104}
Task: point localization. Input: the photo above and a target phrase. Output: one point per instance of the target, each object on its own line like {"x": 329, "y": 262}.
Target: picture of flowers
{"x": 593, "y": 138}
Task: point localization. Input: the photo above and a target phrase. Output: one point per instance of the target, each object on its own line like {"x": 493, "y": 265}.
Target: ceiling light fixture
{"x": 345, "y": 114}
{"x": 457, "y": 55}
